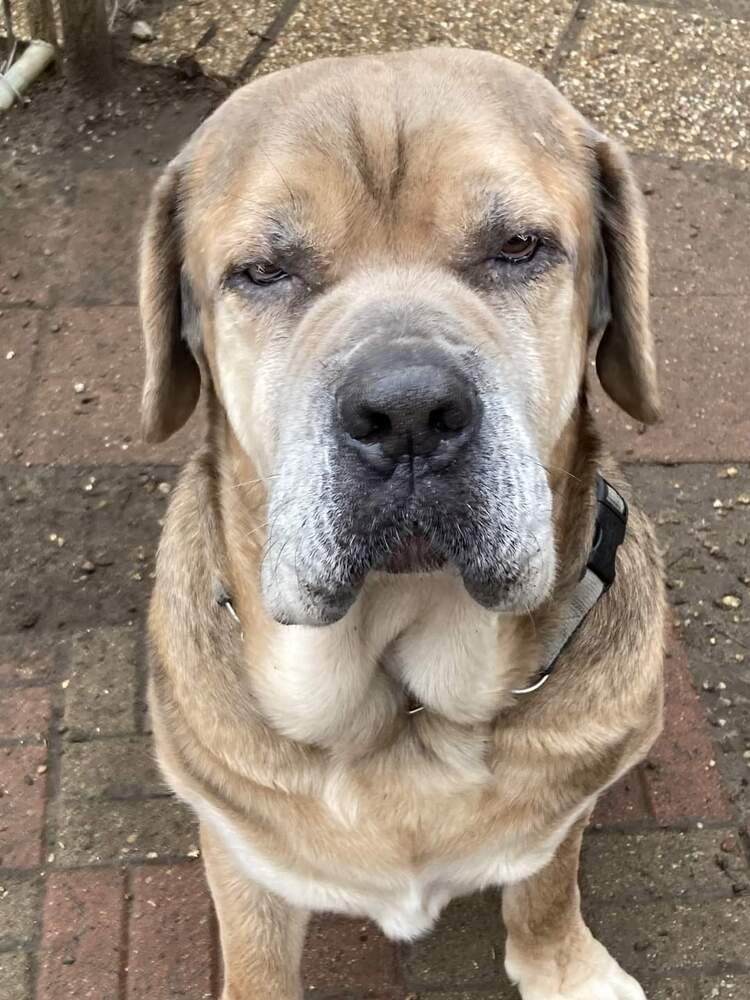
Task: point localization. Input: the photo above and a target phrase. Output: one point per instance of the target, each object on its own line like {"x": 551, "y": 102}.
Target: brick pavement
{"x": 101, "y": 890}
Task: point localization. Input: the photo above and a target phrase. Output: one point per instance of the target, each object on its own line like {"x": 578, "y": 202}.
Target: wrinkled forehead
{"x": 397, "y": 172}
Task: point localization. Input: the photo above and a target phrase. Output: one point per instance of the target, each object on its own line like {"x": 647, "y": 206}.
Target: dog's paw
{"x": 588, "y": 974}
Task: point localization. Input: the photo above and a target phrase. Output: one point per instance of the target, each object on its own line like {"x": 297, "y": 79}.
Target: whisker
{"x": 277, "y": 514}
{"x": 254, "y": 482}
{"x": 294, "y": 199}
{"x": 550, "y": 468}
{"x": 530, "y": 616}
{"x": 300, "y": 534}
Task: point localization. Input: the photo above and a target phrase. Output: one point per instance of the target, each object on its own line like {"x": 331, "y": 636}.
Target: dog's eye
{"x": 519, "y": 247}
{"x": 264, "y": 273}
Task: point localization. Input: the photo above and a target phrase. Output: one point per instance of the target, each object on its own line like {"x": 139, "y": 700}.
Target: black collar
{"x": 597, "y": 576}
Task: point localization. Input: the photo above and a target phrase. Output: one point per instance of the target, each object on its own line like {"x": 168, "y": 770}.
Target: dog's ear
{"x": 625, "y": 359}
{"x": 172, "y": 381}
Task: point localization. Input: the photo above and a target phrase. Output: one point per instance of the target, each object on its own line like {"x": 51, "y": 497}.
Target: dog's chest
{"x": 405, "y": 900}
{"x": 439, "y": 649}
{"x": 426, "y": 643}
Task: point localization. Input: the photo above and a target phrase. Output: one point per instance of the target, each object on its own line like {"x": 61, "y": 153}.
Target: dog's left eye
{"x": 519, "y": 247}
{"x": 264, "y": 273}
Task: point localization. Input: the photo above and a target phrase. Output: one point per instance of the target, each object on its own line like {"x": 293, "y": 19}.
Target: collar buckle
{"x": 609, "y": 531}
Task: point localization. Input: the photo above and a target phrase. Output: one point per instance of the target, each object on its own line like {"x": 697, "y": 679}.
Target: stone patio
{"x": 102, "y": 895}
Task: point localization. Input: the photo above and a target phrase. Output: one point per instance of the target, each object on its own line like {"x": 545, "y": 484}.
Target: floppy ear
{"x": 172, "y": 381}
{"x": 625, "y": 360}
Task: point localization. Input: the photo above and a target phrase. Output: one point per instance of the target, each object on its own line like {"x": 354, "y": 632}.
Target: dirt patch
{"x": 147, "y": 115}
{"x": 80, "y": 544}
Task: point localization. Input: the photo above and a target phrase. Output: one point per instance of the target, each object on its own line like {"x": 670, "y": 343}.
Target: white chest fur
{"x": 405, "y": 902}
{"x": 340, "y": 684}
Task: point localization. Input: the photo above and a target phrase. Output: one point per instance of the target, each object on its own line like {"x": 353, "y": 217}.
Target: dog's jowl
{"x": 407, "y": 620}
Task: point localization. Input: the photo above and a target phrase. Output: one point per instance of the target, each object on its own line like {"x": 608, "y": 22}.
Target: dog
{"x": 401, "y": 638}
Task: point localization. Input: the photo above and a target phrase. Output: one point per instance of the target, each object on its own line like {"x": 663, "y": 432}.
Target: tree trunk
{"x": 87, "y": 44}
{"x": 8, "y": 21}
{"x": 42, "y": 20}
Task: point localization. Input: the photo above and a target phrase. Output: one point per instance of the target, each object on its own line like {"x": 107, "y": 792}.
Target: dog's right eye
{"x": 253, "y": 280}
{"x": 264, "y": 273}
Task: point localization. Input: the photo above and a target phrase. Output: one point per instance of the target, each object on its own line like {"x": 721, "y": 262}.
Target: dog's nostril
{"x": 448, "y": 419}
{"x": 371, "y": 426}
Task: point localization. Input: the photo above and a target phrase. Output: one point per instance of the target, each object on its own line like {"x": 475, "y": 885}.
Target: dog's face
{"x": 389, "y": 270}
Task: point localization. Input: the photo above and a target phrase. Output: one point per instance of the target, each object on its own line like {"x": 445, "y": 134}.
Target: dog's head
{"x": 389, "y": 270}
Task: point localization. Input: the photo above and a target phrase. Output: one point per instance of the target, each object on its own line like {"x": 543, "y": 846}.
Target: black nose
{"x": 415, "y": 409}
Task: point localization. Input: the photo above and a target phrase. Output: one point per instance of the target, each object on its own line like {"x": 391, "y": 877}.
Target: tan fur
{"x": 294, "y": 741}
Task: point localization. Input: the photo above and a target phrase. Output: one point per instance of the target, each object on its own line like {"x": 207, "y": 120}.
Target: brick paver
{"x": 94, "y": 831}
{"x": 81, "y": 953}
{"x": 464, "y": 950}
{"x": 101, "y": 684}
{"x": 83, "y": 405}
{"x": 171, "y": 934}
{"x": 22, "y": 782}
{"x": 343, "y": 955}
{"x": 15, "y": 981}
{"x": 18, "y": 338}
{"x": 674, "y": 936}
{"x": 25, "y": 712}
{"x": 103, "y": 250}
{"x": 681, "y": 773}
{"x": 35, "y": 221}
{"x": 102, "y": 895}
{"x": 27, "y": 659}
{"x": 20, "y": 897}
{"x": 651, "y": 865}
{"x": 705, "y": 350}
{"x": 116, "y": 768}
{"x": 625, "y": 802}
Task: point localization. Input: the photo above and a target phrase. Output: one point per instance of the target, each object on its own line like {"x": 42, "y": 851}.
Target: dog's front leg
{"x": 261, "y": 935}
{"x": 550, "y": 952}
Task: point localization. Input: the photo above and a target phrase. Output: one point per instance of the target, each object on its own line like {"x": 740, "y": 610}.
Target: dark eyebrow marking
{"x": 497, "y": 215}
{"x": 360, "y": 156}
{"x": 370, "y": 172}
{"x": 399, "y": 168}
{"x": 284, "y": 234}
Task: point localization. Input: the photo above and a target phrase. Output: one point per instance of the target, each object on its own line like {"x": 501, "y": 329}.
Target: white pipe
{"x": 36, "y": 57}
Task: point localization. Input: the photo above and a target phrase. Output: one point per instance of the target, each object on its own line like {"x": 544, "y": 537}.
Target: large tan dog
{"x": 384, "y": 275}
